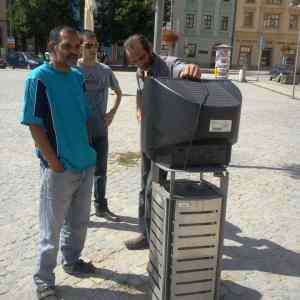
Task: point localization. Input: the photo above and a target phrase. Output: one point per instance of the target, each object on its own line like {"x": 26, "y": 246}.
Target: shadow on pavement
{"x": 233, "y": 291}
{"x": 293, "y": 170}
{"x": 115, "y": 225}
{"x": 129, "y": 220}
{"x": 258, "y": 254}
{"x": 73, "y": 293}
{"x": 126, "y": 282}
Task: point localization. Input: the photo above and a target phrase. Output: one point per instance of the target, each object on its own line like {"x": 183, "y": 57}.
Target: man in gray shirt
{"x": 139, "y": 52}
{"x": 98, "y": 79}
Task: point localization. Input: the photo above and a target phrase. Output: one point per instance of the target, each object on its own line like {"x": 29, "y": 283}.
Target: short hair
{"x": 145, "y": 43}
{"x": 88, "y": 34}
{"x": 54, "y": 35}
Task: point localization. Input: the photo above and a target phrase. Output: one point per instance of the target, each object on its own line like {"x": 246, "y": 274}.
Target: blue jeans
{"x": 65, "y": 201}
{"x": 100, "y": 145}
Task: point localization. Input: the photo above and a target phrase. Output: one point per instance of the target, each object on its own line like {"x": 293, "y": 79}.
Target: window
{"x": 207, "y": 21}
{"x": 224, "y": 23}
{"x": 245, "y": 55}
{"x": 190, "y": 50}
{"x": 271, "y": 21}
{"x": 248, "y": 18}
{"x": 293, "y": 22}
{"x": 276, "y": 2}
{"x": 190, "y": 21}
{"x": 202, "y": 52}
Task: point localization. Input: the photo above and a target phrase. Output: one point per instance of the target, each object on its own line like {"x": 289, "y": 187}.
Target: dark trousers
{"x": 145, "y": 195}
{"x": 100, "y": 144}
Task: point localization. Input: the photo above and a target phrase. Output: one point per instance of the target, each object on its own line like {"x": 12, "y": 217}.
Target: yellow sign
{"x": 216, "y": 71}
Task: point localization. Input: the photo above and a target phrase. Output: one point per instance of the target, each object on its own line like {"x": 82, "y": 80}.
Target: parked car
{"x": 3, "y": 63}
{"x": 23, "y": 60}
{"x": 280, "y": 69}
{"x": 284, "y": 73}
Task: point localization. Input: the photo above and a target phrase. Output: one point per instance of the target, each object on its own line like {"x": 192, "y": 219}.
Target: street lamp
{"x": 295, "y": 3}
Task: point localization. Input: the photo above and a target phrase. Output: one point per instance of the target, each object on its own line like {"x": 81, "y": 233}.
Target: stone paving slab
{"x": 262, "y": 237}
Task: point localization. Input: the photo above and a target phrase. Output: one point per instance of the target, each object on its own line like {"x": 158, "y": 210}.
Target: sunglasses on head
{"x": 90, "y": 45}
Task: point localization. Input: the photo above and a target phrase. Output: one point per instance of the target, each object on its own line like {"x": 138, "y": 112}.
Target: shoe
{"x": 80, "y": 267}
{"x": 106, "y": 214}
{"x": 148, "y": 267}
{"x": 138, "y": 243}
{"x": 46, "y": 293}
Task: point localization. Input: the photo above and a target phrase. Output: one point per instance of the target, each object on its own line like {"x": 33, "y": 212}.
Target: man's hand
{"x": 56, "y": 165}
{"x": 108, "y": 118}
{"x": 191, "y": 71}
{"x": 42, "y": 142}
{"x": 138, "y": 115}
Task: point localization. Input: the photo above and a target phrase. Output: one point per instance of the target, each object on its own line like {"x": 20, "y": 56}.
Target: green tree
{"x": 35, "y": 18}
{"x": 117, "y": 19}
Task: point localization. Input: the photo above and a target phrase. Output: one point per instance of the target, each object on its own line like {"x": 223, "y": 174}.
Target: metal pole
{"x": 159, "y": 12}
{"x": 296, "y": 64}
{"x": 259, "y": 57}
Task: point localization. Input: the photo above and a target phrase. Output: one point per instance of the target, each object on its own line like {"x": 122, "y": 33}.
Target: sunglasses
{"x": 90, "y": 45}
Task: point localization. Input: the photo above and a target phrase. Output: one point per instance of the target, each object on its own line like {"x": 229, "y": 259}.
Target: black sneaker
{"x": 106, "y": 214}
{"x": 138, "y": 243}
{"x": 80, "y": 267}
{"x": 46, "y": 293}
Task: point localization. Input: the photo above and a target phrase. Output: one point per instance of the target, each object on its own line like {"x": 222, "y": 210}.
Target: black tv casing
{"x": 189, "y": 124}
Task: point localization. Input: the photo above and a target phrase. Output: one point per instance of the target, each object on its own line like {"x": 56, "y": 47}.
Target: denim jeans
{"x": 65, "y": 201}
{"x": 100, "y": 145}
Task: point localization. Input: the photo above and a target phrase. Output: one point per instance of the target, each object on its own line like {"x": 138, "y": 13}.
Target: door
{"x": 266, "y": 58}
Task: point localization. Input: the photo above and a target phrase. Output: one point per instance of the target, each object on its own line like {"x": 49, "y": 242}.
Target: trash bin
{"x": 186, "y": 237}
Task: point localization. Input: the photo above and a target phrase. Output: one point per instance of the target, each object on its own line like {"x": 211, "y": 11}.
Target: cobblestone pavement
{"x": 262, "y": 236}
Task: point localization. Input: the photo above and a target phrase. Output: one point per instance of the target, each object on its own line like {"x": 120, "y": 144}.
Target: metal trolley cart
{"x": 186, "y": 234}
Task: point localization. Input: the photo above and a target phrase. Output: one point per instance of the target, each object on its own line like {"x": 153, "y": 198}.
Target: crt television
{"x": 188, "y": 124}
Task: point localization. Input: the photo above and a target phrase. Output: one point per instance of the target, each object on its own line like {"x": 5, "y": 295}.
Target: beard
{"x": 71, "y": 60}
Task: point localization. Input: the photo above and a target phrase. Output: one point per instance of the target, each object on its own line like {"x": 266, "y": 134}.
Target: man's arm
{"x": 139, "y": 100}
{"x": 117, "y": 100}
{"x": 34, "y": 110}
{"x": 183, "y": 70}
{"x": 42, "y": 141}
{"x": 190, "y": 71}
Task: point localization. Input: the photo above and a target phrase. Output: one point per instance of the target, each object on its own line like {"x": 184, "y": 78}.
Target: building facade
{"x": 266, "y": 30}
{"x": 3, "y": 23}
{"x": 202, "y": 25}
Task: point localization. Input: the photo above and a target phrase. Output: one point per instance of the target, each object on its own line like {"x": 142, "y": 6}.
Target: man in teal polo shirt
{"x": 55, "y": 109}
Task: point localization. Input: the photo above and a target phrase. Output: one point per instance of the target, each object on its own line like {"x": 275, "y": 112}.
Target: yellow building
{"x": 271, "y": 23}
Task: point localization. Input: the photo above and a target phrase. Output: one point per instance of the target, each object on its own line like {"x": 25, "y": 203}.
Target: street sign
{"x": 11, "y": 42}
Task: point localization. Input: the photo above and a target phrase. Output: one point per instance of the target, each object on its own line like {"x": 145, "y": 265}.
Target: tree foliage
{"x": 35, "y": 18}
{"x": 117, "y": 19}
